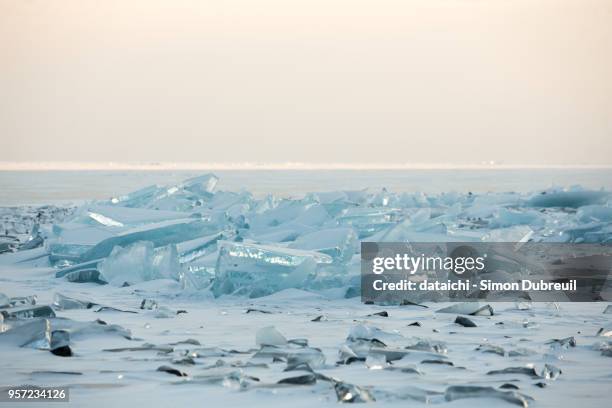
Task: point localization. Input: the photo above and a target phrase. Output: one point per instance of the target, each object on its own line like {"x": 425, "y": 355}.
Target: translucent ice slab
{"x": 339, "y": 243}
{"x": 125, "y": 216}
{"x": 138, "y": 198}
{"x": 367, "y": 221}
{"x": 140, "y": 262}
{"x": 204, "y": 184}
{"x": 257, "y": 270}
{"x": 159, "y": 234}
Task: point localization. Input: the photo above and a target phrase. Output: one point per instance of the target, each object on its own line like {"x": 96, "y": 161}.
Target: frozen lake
{"x": 159, "y": 331}
{"x": 55, "y": 187}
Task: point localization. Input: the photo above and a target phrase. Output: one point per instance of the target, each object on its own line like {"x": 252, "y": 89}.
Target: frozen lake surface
{"x": 230, "y": 299}
{"x": 219, "y": 377}
{"x": 54, "y": 187}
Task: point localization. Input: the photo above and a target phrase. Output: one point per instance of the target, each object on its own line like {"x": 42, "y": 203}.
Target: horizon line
{"x": 164, "y": 166}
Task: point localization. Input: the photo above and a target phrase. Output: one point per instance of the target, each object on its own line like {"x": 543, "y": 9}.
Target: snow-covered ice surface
{"x": 219, "y": 298}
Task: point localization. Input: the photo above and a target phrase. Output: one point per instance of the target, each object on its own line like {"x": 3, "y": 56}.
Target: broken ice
{"x": 256, "y": 270}
{"x": 233, "y": 243}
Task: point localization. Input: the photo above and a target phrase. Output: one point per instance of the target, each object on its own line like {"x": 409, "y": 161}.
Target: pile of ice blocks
{"x": 234, "y": 243}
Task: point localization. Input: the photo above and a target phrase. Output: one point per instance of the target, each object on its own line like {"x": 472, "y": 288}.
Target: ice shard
{"x": 468, "y": 308}
{"x": 158, "y": 234}
{"x": 27, "y": 312}
{"x": 60, "y": 343}
{"x": 350, "y": 393}
{"x": 35, "y": 334}
{"x": 339, "y": 243}
{"x": 201, "y": 185}
{"x": 456, "y": 392}
{"x": 256, "y": 270}
{"x": 139, "y": 262}
{"x": 269, "y": 336}
{"x": 85, "y": 276}
{"x": 109, "y": 215}
{"x": 367, "y": 221}
{"x": 202, "y": 246}
{"x": 507, "y": 218}
{"x": 138, "y": 198}
{"x": 63, "y": 302}
{"x": 594, "y": 213}
{"x": 4, "y": 300}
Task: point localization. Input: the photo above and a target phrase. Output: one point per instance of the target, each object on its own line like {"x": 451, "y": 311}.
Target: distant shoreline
{"x": 165, "y": 166}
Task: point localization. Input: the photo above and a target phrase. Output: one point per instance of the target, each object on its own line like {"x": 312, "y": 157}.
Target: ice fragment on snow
{"x": 490, "y": 348}
{"x": 292, "y": 355}
{"x": 464, "y": 321}
{"x": 171, "y": 370}
{"x": 269, "y": 336}
{"x": 4, "y": 300}
{"x": 85, "y": 276}
{"x": 433, "y": 346}
{"x": 346, "y": 355}
{"x": 62, "y": 302}
{"x": 456, "y": 392}
{"x": 441, "y": 362}
{"x": 306, "y": 379}
{"x": 60, "y": 343}
{"x": 366, "y": 332}
{"x": 24, "y": 300}
{"x": 27, "y": 312}
{"x": 148, "y": 304}
{"x": 257, "y": 270}
{"x": 529, "y": 371}
{"x": 564, "y": 343}
{"x": 80, "y": 330}
{"x": 376, "y": 361}
{"x": 468, "y": 308}
{"x": 550, "y": 372}
{"x": 35, "y": 334}
{"x": 144, "y": 347}
{"x": 349, "y": 393}
{"x": 519, "y": 352}
{"x": 390, "y": 354}
{"x": 164, "y": 313}
{"x": 384, "y": 313}
{"x": 139, "y": 262}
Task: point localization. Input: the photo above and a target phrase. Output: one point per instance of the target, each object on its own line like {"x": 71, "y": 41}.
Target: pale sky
{"x": 317, "y": 81}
